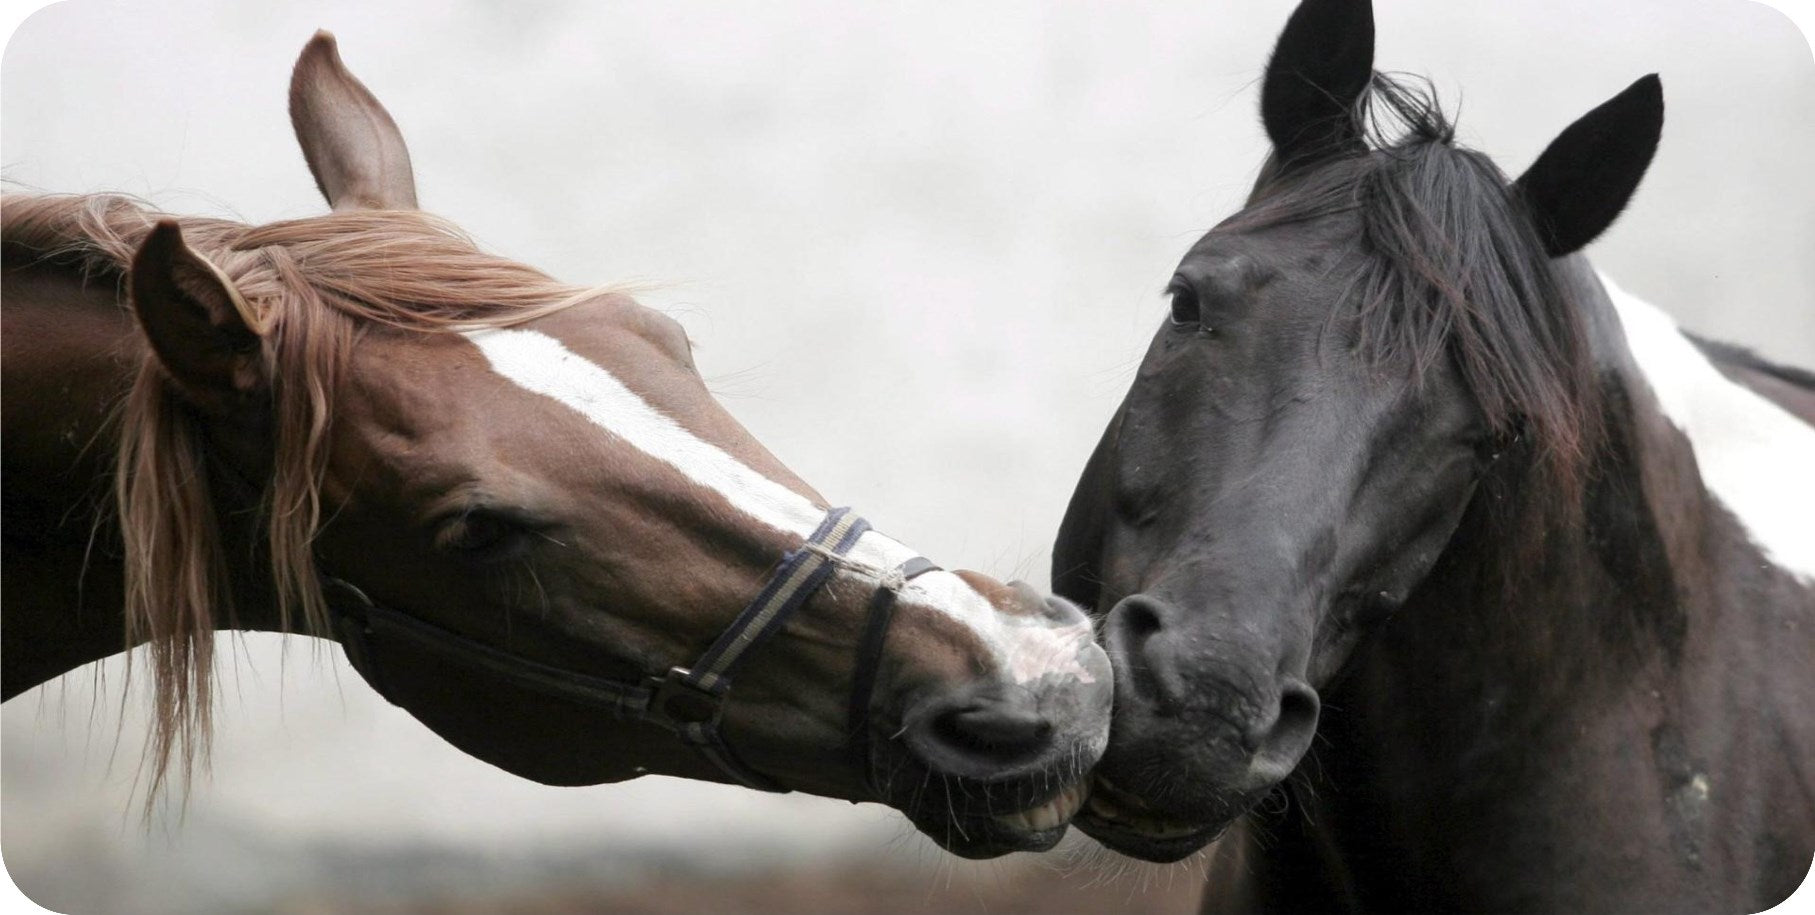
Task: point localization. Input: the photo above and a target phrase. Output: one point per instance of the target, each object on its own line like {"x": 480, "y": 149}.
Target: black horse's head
{"x": 1344, "y": 361}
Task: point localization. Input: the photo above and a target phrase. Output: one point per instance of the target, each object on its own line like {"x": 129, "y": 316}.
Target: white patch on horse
{"x": 1045, "y": 650}
{"x": 541, "y": 364}
{"x": 1755, "y": 457}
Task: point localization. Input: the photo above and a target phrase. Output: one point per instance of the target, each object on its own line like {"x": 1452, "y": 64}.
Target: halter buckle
{"x": 676, "y": 701}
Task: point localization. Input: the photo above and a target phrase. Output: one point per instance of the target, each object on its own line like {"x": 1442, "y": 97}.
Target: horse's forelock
{"x": 1458, "y": 272}
{"x": 1450, "y": 267}
{"x": 1453, "y": 269}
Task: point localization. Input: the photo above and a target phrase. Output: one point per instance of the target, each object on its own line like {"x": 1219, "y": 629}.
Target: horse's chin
{"x": 1128, "y": 825}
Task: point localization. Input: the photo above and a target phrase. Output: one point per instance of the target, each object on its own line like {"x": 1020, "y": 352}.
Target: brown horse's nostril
{"x": 995, "y": 727}
{"x": 982, "y": 736}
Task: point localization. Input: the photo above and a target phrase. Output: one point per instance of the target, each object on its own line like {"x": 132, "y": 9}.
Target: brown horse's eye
{"x": 1185, "y": 312}
{"x": 480, "y": 535}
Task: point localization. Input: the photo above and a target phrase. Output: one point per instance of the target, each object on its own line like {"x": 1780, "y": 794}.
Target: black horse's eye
{"x": 480, "y": 535}
{"x": 1184, "y": 306}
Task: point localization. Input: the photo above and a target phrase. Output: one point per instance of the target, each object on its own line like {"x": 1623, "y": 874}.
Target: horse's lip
{"x": 1002, "y": 842}
{"x": 1122, "y": 839}
{"x": 1128, "y": 824}
{"x": 988, "y": 837}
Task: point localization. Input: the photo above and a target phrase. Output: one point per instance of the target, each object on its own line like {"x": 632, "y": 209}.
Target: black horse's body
{"x": 1435, "y": 570}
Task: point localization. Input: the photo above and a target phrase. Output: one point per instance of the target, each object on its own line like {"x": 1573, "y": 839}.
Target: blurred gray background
{"x": 967, "y": 211}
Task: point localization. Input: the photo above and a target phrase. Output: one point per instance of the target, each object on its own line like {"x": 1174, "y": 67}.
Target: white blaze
{"x": 1026, "y": 649}
{"x": 1755, "y": 458}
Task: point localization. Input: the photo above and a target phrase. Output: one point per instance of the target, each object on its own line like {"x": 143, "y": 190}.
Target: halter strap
{"x": 687, "y": 701}
{"x": 876, "y": 624}
{"x": 690, "y": 701}
{"x": 360, "y": 621}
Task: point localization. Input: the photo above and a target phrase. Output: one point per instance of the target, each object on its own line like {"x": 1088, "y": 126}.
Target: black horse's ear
{"x": 1319, "y": 70}
{"x": 202, "y": 331}
{"x": 1585, "y": 177}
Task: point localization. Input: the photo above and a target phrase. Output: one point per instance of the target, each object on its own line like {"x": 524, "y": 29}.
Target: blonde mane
{"x": 311, "y": 286}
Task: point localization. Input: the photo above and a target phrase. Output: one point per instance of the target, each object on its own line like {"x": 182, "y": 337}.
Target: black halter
{"x": 689, "y": 701}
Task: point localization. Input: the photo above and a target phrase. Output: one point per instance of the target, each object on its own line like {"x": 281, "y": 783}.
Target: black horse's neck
{"x": 71, "y": 351}
{"x": 1548, "y": 710}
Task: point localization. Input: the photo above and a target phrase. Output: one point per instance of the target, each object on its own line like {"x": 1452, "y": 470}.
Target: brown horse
{"x": 512, "y": 500}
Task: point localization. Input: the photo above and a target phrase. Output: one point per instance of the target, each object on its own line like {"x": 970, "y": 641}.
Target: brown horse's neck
{"x": 70, "y": 353}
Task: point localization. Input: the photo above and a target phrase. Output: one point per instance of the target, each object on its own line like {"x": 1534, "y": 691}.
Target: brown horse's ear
{"x": 203, "y": 332}
{"x": 353, "y": 147}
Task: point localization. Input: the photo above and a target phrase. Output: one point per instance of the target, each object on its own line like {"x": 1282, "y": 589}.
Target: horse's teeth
{"x": 1043, "y": 817}
{"x": 1050, "y": 815}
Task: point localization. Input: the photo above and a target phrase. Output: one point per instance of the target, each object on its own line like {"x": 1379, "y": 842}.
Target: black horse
{"x": 1403, "y": 477}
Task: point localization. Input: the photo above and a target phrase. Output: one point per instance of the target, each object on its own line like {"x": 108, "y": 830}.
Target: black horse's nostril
{"x": 1140, "y": 619}
{"x": 1131, "y": 624}
{"x": 1280, "y": 742}
{"x": 1147, "y": 664}
{"x": 982, "y": 736}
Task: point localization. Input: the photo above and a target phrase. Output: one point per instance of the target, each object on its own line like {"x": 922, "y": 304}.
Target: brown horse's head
{"x": 539, "y": 469}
